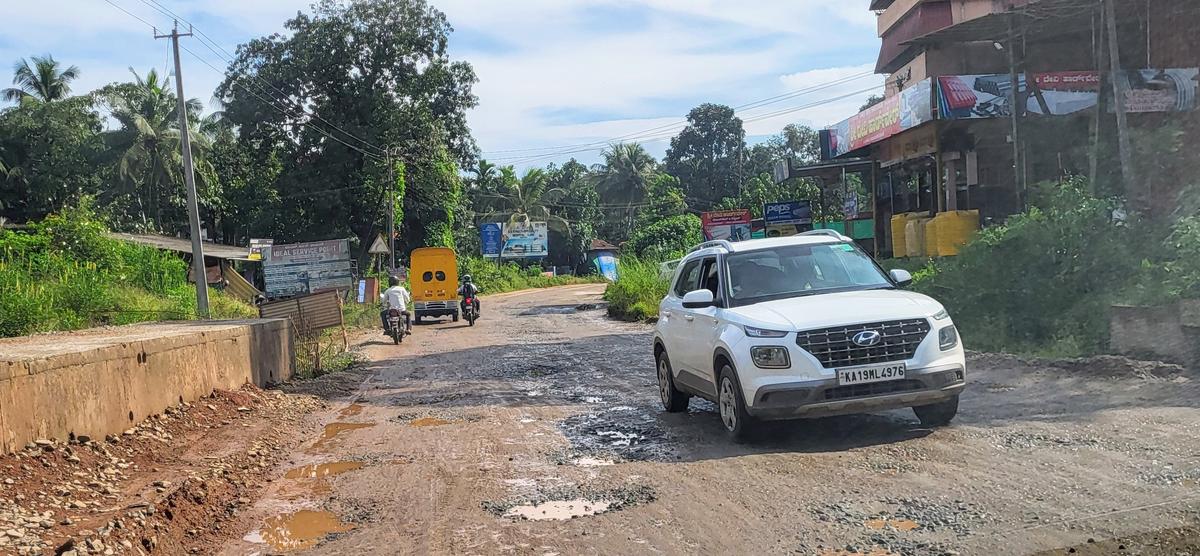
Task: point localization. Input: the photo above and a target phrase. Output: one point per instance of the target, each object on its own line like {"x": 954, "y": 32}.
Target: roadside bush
{"x": 68, "y": 274}
{"x": 669, "y": 238}
{"x": 638, "y": 289}
{"x": 509, "y": 277}
{"x": 1044, "y": 281}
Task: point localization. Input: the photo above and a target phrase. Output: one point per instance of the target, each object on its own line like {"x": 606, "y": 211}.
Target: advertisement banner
{"x": 1064, "y": 92}
{"x": 490, "y": 242}
{"x": 305, "y": 268}
{"x": 904, "y": 110}
{"x": 256, "y": 248}
{"x": 732, "y": 225}
{"x": 787, "y": 219}
{"x": 525, "y": 239}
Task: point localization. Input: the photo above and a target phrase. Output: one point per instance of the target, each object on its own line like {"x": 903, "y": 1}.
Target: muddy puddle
{"x": 351, "y": 410}
{"x": 558, "y": 510}
{"x": 429, "y": 422}
{"x": 332, "y": 430}
{"x": 322, "y": 470}
{"x": 299, "y": 530}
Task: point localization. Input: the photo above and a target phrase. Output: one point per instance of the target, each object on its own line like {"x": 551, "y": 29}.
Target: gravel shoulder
{"x": 476, "y": 440}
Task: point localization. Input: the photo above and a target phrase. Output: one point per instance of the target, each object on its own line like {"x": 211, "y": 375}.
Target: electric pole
{"x": 391, "y": 219}
{"x": 189, "y": 177}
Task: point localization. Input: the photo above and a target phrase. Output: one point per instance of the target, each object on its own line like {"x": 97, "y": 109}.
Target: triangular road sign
{"x": 379, "y": 247}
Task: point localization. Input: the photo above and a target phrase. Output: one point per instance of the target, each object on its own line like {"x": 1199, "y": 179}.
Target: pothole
{"x": 621, "y": 432}
{"x": 334, "y": 429}
{"x": 897, "y": 524}
{"x": 558, "y": 510}
{"x": 568, "y": 502}
{"x": 322, "y": 470}
{"x": 299, "y": 530}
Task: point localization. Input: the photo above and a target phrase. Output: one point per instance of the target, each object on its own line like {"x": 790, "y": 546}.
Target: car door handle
{"x": 689, "y": 317}
{"x": 666, "y": 314}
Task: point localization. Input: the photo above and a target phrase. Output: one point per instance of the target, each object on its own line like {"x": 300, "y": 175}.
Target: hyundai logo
{"x": 867, "y": 338}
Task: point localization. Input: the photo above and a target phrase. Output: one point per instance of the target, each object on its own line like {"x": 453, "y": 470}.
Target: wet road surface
{"x": 539, "y": 431}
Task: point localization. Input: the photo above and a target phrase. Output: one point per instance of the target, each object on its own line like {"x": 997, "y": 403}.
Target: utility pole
{"x": 391, "y": 219}
{"x": 1118, "y": 85}
{"x": 189, "y": 177}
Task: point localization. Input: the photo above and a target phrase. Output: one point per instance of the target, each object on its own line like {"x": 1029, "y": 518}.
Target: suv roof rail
{"x": 714, "y": 243}
{"x": 826, "y": 232}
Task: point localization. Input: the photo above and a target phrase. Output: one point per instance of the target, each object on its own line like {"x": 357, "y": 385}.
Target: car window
{"x": 711, "y": 280}
{"x": 688, "y": 278}
{"x": 800, "y": 270}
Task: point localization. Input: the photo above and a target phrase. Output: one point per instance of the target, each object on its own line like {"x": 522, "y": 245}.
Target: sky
{"x": 558, "y": 79}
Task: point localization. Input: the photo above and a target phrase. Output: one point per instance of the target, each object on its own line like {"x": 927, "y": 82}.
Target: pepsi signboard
{"x": 791, "y": 212}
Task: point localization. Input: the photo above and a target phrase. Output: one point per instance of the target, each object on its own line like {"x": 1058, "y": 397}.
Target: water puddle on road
{"x": 321, "y": 470}
{"x": 558, "y": 510}
{"x": 428, "y": 422}
{"x": 334, "y": 429}
{"x": 897, "y": 524}
{"x": 351, "y": 410}
{"x": 591, "y": 462}
{"x": 303, "y": 529}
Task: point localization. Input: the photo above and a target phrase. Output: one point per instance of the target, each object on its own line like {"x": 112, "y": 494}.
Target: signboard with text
{"x": 305, "y": 268}
{"x": 732, "y": 225}
{"x": 905, "y": 110}
{"x": 525, "y": 239}
{"x": 787, "y": 219}
{"x": 490, "y": 242}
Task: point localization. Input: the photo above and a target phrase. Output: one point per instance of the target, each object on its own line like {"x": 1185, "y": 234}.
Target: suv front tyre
{"x": 939, "y": 414}
{"x": 732, "y": 406}
{"x": 673, "y": 400}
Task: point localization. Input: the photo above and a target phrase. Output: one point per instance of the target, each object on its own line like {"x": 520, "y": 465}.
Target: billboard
{"x": 490, "y": 242}
{"x": 902, "y": 111}
{"x": 1064, "y": 92}
{"x": 787, "y": 218}
{"x": 732, "y": 225}
{"x": 305, "y": 268}
{"x": 525, "y": 239}
{"x": 256, "y": 248}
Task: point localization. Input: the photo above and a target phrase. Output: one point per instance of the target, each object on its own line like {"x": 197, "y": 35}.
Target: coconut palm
{"x": 624, "y": 177}
{"x": 43, "y": 81}
{"x": 147, "y": 143}
{"x": 527, "y": 199}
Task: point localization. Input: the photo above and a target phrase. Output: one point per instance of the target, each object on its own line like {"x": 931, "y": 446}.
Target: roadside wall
{"x": 1168, "y": 333}
{"x": 102, "y": 381}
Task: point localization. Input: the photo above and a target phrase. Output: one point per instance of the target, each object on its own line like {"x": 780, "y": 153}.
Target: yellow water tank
{"x": 914, "y": 236}
{"x": 899, "y": 224}
{"x": 953, "y": 229}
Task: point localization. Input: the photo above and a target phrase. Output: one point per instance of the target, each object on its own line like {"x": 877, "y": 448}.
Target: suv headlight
{"x": 754, "y": 332}
{"x": 770, "y": 357}
{"x": 948, "y": 337}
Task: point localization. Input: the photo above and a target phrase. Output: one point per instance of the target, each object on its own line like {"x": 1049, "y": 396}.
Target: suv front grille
{"x": 833, "y": 346}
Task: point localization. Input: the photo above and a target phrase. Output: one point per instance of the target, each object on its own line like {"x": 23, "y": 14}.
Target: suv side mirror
{"x": 900, "y": 276}
{"x": 698, "y": 299}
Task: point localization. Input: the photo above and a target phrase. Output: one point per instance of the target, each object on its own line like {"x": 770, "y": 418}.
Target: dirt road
{"x": 547, "y": 409}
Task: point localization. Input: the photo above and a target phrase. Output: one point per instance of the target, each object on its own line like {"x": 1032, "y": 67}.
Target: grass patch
{"x": 638, "y": 290}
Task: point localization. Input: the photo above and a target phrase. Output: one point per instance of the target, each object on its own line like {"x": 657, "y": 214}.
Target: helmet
{"x": 466, "y": 278}
{"x": 393, "y": 281}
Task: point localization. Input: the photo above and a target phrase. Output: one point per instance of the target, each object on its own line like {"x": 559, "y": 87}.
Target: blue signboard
{"x": 606, "y": 262}
{"x": 490, "y": 239}
{"x": 791, "y": 212}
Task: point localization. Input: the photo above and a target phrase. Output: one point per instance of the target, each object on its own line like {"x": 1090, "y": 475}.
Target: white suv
{"x": 803, "y": 326}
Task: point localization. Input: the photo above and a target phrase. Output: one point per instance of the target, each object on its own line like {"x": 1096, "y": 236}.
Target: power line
{"x": 131, "y": 14}
{"x": 750, "y": 105}
{"x": 283, "y": 97}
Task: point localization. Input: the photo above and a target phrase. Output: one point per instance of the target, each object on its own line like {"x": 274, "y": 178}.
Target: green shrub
{"x": 494, "y": 278}
{"x": 638, "y": 289}
{"x": 665, "y": 239}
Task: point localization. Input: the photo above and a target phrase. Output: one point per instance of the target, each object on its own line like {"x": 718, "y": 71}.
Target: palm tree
{"x": 527, "y": 199}
{"x": 147, "y": 144}
{"x": 44, "y": 81}
{"x": 624, "y": 177}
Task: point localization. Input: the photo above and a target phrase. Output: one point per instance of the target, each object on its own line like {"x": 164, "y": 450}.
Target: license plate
{"x": 866, "y": 375}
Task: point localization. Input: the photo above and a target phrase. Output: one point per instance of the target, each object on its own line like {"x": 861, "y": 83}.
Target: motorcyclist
{"x": 395, "y": 297}
{"x": 468, "y": 289}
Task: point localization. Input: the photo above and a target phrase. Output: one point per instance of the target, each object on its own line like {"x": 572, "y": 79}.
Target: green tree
{"x": 43, "y": 81}
{"x": 146, "y": 149}
{"x": 578, "y": 206}
{"x": 344, "y": 82}
{"x": 49, "y": 153}
{"x": 871, "y": 101}
{"x": 622, "y": 181}
{"x": 708, "y": 155}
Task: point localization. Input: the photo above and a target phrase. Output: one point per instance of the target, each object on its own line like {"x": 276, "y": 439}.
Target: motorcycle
{"x": 396, "y": 326}
{"x": 470, "y": 309}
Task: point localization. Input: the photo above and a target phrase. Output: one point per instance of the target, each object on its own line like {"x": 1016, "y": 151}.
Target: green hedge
{"x": 494, "y": 278}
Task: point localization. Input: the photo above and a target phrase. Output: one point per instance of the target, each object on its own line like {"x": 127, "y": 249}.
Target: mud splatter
{"x": 303, "y": 529}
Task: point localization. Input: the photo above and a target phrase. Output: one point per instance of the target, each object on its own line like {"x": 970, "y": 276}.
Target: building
{"x": 986, "y": 97}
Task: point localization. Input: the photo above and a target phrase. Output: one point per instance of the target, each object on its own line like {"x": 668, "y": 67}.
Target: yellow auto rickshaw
{"x": 433, "y": 276}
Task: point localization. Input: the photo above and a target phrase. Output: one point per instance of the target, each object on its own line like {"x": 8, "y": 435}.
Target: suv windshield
{"x": 795, "y": 270}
